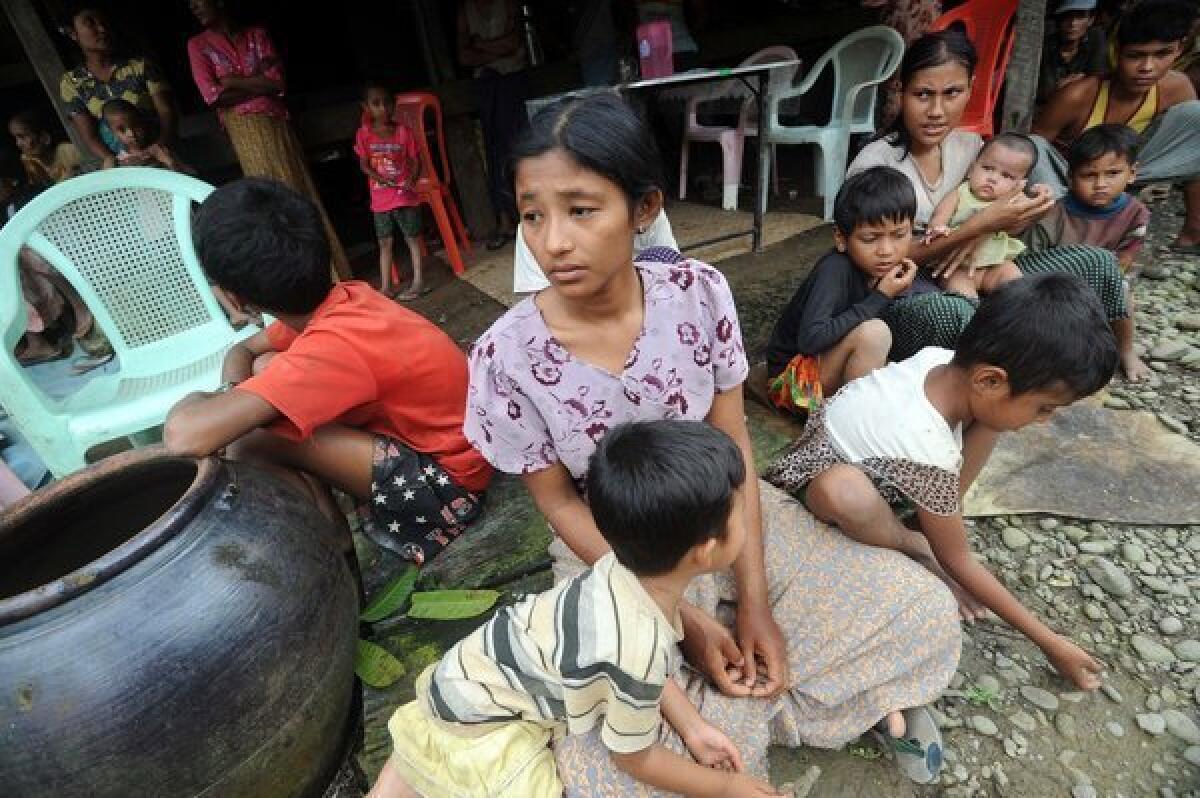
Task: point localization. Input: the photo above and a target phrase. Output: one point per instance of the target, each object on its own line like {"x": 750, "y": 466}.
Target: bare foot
{"x": 1134, "y": 368}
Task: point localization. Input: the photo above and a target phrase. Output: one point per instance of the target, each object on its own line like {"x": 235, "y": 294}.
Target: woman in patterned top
{"x": 614, "y": 340}
{"x": 104, "y": 75}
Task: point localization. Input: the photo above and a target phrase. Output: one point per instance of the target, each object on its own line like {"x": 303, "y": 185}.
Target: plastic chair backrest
{"x": 413, "y": 108}
{"x": 989, "y": 24}
{"x": 860, "y": 61}
{"x": 777, "y": 79}
{"x": 123, "y": 239}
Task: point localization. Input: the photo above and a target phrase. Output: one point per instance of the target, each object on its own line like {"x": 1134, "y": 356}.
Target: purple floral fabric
{"x": 531, "y": 404}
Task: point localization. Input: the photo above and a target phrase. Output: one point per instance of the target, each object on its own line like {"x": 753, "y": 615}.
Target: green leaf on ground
{"x": 376, "y": 666}
{"x": 389, "y": 600}
{"x": 452, "y": 605}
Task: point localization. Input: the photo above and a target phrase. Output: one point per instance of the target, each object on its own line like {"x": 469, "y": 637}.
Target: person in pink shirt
{"x": 387, "y": 153}
{"x": 240, "y": 75}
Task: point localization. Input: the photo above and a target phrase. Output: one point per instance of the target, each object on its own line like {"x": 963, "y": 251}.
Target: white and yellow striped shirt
{"x": 594, "y": 649}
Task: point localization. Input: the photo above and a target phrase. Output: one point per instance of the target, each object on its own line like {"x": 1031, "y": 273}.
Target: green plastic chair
{"x": 123, "y": 238}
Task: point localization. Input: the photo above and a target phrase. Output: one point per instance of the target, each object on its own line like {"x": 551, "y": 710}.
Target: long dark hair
{"x": 603, "y": 134}
{"x": 950, "y": 46}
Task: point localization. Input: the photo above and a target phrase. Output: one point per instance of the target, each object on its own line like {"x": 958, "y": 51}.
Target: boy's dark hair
{"x": 658, "y": 488}
{"x": 118, "y": 105}
{"x": 265, "y": 243}
{"x": 1155, "y": 21}
{"x": 878, "y": 194}
{"x": 1018, "y": 142}
{"x": 1042, "y": 330}
{"x": 603, "y": 134}
{"x": 1102, "y": 140}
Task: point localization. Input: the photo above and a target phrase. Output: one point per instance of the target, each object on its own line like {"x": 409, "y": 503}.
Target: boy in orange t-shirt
{"x": 346, "y": 389}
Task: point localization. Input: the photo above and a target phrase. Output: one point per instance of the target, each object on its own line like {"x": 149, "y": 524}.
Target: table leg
{"x": 764, "y": 167}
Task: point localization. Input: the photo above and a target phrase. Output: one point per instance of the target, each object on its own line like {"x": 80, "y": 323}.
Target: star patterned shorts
{"x": 416, "y": 509}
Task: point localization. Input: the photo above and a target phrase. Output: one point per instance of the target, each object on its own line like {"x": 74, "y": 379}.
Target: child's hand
{"x": 709, "y": 746}
{"x": 898, "y": 280}
{"x": 934, "y": 233}
{"x": 739, "y": 785}
{"x": 1074, "y": 663}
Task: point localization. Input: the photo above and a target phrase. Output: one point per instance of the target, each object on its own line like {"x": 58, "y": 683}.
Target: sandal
{"x": 410, "y": 295}
{"x": 918, "y": 753}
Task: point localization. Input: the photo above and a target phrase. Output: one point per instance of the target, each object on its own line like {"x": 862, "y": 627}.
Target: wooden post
{"x": 470, "y": 174}
{"x": 1021, "y": 79}
{"x": 39, "y": 49}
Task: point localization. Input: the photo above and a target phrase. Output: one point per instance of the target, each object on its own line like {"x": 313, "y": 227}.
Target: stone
{"x": 1023, "y": 721}
{"x": 1188, "y": 650}
{"x": 1150, "y": 650}
{"x": 1040, "y": 698}
{"x": 1170, "y": 625}
{"x": 1094, "y": 611}
{"x": 988, "y": 682}
{"x": 1065, "y": 725}
{"x": 1188, "y": 321}
{"x": 1131, "y": 552}
{"x": 1014, "y": 538}
{"x": 1097, "y": 547}
{"x": 1154, "y": 703}
{"x": 1074, "y": 534}
{"x": 1110, "y": 577}
{"x": 1113, "y": 694}
{"x": 1151, "y": 723}
{"x": 1181, "y": 726}
{"x": 1175, "y": 425}
{"x": 1083, "y": 791}
{"x": 1156, "y": 583}
{"x": 1192, "y": 755}
{"x": 803, "y": 786}
{"x": 1115, "y": 729}
{"x": 1047, "y": 524}
{"x": 984, "y": 725}
{"x": 1169, "y": 349}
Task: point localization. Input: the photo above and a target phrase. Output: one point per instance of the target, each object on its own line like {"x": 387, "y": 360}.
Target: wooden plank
{"x": 1020, "y": 81}
{"x": 44, "y": 59}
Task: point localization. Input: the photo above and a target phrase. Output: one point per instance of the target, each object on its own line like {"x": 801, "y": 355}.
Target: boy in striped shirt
{"x": 597, "y": 650}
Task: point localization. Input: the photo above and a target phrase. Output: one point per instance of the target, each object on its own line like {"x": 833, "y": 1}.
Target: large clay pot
{"x": 173, "y": 627}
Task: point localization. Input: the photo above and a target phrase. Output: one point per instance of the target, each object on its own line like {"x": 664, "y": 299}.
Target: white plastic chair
{"x": 860, "y": 62}
{"x": 122, "y": 238}
{"x": 731, "y": 139}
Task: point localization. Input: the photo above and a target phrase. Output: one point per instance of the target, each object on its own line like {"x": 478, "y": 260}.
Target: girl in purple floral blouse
{"x": 611, "y": 341}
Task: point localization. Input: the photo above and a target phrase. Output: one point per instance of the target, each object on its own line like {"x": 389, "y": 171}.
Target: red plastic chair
{"x": 433, "y": 187}
{"x": 990, "y": 27}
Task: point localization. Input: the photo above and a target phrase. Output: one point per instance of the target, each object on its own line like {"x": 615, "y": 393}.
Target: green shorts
{"x": 406, "y": 219}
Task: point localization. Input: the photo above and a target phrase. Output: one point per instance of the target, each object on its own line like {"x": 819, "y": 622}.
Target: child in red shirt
{"x": 346, "y": 389}
{"x": 387, "y": 154}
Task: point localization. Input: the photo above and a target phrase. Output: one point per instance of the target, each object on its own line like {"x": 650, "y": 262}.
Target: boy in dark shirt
{"x": 830, "y": 332}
